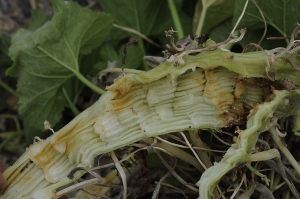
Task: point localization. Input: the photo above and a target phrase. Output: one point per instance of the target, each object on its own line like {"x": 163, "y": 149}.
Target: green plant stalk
{"x": 284, "y": 150}
{"x": 10, "y": 137}
{"x": 205, "y": 5}
{"x": 5, "y": 135}
{"x": 71, "y": 105}
{"x": 297, "y": 133}
{"x": 88, "y": 83}
{"x": 263, "y": 177}
{"x": 176, "y": 20}
{"x": 15, "y": 118}
{"x": 286, "y": 194}
{"x": 79, "y": 88}
{"x": 135, "y": 32}
{"x": 8, "y": 89}
{"x": 276, "y": 181}
{"x": 271, "y": 177}
{"x": 78, "y": 91}
{"x": 201, "y": 21}
{"x": 76, "y": 72}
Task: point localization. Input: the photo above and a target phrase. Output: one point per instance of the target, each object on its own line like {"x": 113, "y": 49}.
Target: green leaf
{"x": 143, "y": 16}
{"x": 254, "y": 36}
{"x": 221, "y": 32}
{"x": 183, "y": 8}
{"x": 38, "y": 18}
{"x": 46, "y": 58}
{"x": 218, "y": 12}
{"x": 134, "y": 56}
{"x": 282, "y": 15}
{"x": 108, "y": 53}
{"x": 101, "y": 66}
{"x": 30, "y": 132}
{"x": 87, "y": 62}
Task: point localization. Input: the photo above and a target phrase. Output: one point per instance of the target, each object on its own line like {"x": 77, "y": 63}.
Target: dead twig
{"x": 194, "y": 152}
{"x": 240, "y": 18}
{"x": 157, "y": 188}
{"x": 125, "y": 53}
{"x": 258, "y": 47}
{"x": 292, "y": 64}
{"x": 290, "y": 46}
{"x": 175, "y": 174}
{"x": 265, "y": 23}
{"x": 221, "y": 45}
{"x": 259, "y": 187}
{"x": 121, "y": 173}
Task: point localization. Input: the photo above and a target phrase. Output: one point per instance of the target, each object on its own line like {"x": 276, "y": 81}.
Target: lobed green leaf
{"x": 47, "y": 57}
{"x": 282, "y": 15}
{"x": 142, "y": 16}
{"x": 38, "y": 18}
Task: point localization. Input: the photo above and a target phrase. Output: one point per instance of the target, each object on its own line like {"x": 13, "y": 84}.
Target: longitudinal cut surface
{"x": 197, "y": 95}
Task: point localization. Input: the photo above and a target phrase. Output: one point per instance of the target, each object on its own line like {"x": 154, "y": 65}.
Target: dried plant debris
{"x": 154, "y": 61}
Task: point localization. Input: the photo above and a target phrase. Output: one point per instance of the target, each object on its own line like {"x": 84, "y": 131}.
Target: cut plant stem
{"x": 205, "y": 5}
{"x": 201, "y": 94}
